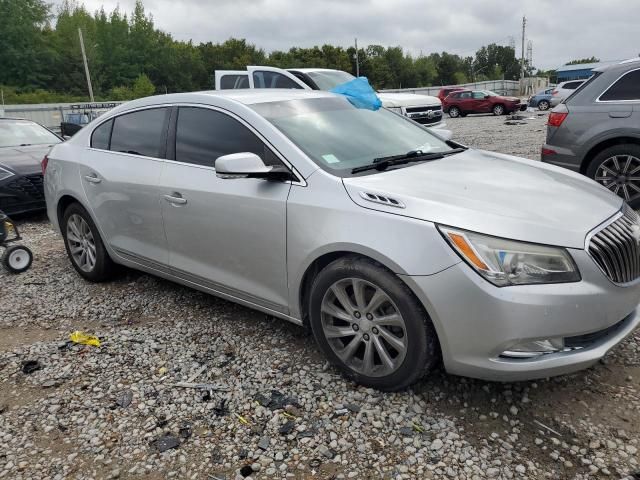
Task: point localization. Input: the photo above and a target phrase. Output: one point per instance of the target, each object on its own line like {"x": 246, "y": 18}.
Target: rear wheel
{"x": 17, "y": 258}
{"x": 84, "y": 246}
{"x": 454, "y": 112}
{"x": 618, "y": 169}
{"x": 498, "y": 110}
{"x": 370, "y": 325}
{"x": 543, "y": 105}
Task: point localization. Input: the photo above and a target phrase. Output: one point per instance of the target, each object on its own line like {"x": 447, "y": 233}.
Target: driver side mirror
{"x": 486, "y": 97}
{"x": 249, "y": 165}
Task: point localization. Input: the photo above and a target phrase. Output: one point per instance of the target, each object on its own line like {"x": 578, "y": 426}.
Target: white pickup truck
{"x": 423, "y": 109}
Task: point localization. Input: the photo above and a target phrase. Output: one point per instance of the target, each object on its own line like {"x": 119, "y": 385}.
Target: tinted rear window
{"x": 140, "y": 133}
{"x": 626, "y": 88}
{"x": 228, "y": 82}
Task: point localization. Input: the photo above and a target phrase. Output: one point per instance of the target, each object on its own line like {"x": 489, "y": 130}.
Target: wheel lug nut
{"x": 369, "y": 316}
{"x": 366, "y": 337}
{"x": 355, "y": 327}
{"x": 374, "y": 330}
{"x": 356, "y": 314}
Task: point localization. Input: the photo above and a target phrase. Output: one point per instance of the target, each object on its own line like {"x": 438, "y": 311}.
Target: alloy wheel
{"x": 498, "y": 110}
{"x": 621, "y": 175}
{"x": 81, "y": 243}
{"x": 454, "y": 112}
{"x": 543, "y": 105}
{"x": 364, "y": 327}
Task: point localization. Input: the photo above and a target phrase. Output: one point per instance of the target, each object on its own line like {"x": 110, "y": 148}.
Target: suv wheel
{"x": 454, "y": 112}
{"x": 84, "y": 245}
{"x": 618, "y": 169}
{"x": 543, "y": 105}
{"x": 370, "y": 325}
{"x": 498, "y": 109}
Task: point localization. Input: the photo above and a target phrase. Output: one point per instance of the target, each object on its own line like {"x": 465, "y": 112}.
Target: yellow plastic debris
{"x": 242, "y": 420}
{"x": 162, "y": 370}
{"x": 84, "y": 338}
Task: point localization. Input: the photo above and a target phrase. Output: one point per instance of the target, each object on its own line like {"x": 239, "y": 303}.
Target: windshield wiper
{"x": 383, "y": 163}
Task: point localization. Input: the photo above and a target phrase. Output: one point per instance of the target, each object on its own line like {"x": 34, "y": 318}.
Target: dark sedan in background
{"x": 23, "y": 144}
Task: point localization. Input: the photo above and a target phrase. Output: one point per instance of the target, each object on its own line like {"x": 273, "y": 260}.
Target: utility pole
{"x": 86, "y": 65}
{"x": 357, "y": 60}
{"x": 524, "y": 25}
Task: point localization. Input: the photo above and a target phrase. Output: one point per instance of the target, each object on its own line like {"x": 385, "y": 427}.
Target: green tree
{"x": 143, "y": 87}
{"x": 583, "y": 60}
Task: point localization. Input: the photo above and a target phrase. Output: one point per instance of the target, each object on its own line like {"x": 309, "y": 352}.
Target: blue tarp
{"x": 359, "y": 93}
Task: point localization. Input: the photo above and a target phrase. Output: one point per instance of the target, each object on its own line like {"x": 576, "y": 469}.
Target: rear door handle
{"x": 93, "y": 178}
{"x": 175, "y": 198}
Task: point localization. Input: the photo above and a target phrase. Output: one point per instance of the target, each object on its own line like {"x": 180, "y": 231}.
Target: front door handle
{"x": 93, "y": 178}
{"x": 175, "y": 198}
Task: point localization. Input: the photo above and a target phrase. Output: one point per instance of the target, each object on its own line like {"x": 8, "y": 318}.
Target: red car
{"x": 444, "y": 92}
{"x": 459, "y": 104}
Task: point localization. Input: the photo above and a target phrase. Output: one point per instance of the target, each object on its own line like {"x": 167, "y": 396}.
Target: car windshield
{"x": 340, "y": 137}
{"x": 21, "y": 133}
{"x": 328, "y": 79}
{"x": 490, "y": 93}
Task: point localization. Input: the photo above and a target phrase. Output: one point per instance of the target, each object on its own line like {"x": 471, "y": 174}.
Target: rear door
{"x": 271, "y": 77}
{"x": 231, "y": 79}
{"x": 228, "y": 235}
{"x": 465, "y": 101}
{"x": 120, "y": 176}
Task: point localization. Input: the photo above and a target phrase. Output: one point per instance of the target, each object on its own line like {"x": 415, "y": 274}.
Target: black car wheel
{"x": 618, "y": 169}
{"x": 17, "y": 258}
{"x": 543, "y": 105}
{"x": 370, "y": 325}
{"x": 454, "y": 112}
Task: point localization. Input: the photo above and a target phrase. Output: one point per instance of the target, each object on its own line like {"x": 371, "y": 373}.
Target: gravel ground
{"x": 274, "y": 408}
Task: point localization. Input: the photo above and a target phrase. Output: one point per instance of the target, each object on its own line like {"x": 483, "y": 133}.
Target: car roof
{"x": 307, "y": 70}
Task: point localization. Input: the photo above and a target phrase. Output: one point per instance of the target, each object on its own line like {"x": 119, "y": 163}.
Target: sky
{"x": 559, "y": 30}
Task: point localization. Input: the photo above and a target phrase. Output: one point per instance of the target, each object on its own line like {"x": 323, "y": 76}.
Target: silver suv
{"x": 396, "y": 247}
{"x": 596, "y": 131}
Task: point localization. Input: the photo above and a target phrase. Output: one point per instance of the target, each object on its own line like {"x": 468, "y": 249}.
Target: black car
{"x": 23, "y": 144}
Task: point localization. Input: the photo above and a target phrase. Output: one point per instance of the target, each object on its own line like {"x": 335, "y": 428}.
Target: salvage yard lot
{"x": 281, "y": 412}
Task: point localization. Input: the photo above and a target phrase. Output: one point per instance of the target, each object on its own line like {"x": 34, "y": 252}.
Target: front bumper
{"x": 476, "y": 321}
{"x": 21, "y": 194}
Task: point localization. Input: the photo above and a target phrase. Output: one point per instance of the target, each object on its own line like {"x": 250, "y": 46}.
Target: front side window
{"x": 203, "y": 135}
{"x": 101, "y": 136}
{"x": 267, "y": 79}
{"x": 478, "y": 95}
{"x": 22, "y": 133}
{"x": 338, "y": 137}
{"x": 626, "y": 88}
{"x": 140, "y": 133}
{"x": 328, "y": 79}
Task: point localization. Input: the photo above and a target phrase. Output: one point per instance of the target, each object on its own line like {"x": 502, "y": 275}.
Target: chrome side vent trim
{"x": 616, "y": 248}
{"x": 383, "y": 199}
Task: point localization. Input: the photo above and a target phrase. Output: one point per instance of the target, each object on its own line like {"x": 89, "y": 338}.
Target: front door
{"x": 228, "y": 235}
{"x": 481, "y": 104}
{"x": 120, "y": 178}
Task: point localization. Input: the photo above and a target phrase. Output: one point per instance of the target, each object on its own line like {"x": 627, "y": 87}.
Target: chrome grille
{"x": 616, "y": 248}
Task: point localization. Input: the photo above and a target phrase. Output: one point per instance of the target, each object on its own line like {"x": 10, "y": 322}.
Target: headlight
{"x": 4, "y": 174}
{"x": 395, "y": 110}
{"x": 508, "y": 262}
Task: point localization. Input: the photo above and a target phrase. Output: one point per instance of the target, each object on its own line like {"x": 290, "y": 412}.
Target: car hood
{"x": 509, "y": 99}
{"x": 493, "y": 194}
{"x": 24, "y": 160}
{"x": 407, "y": 100}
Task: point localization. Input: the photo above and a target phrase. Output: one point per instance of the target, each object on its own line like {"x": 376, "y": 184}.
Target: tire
{"x": 603, "y": 166}
{"x": 17, "y": 258}
{"x": 498, "y": 109}
{"x": 397, "y": 318}
{"x": 101, "y": 269}
{"x": 454, "y": 112}
{"x": 543, "y": 105}
{"x": 463, "y": 114}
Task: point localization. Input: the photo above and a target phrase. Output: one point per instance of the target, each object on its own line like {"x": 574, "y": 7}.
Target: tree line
{"x": 129, "y": 57}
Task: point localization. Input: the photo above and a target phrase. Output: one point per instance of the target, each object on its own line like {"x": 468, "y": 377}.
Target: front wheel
{"x": 498, "y": 110}
{"x": 17, "y": 258}
{"x": 618, "y": 169}
{"x": 454, "y": 112}
{"x": 370, "y": 325}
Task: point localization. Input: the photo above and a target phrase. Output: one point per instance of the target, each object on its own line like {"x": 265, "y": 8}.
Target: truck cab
{"x": 424, "y": 109}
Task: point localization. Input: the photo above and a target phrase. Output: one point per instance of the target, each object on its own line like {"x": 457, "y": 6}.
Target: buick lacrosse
{"x": 399, "y": 249}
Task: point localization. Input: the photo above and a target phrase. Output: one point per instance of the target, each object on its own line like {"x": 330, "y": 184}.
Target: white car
{"x": 424, "y": 109}
{"x": 563, "y": 90}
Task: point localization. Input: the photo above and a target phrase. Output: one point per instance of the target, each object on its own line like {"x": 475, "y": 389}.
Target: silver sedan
{"x": 396, "y": 247}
